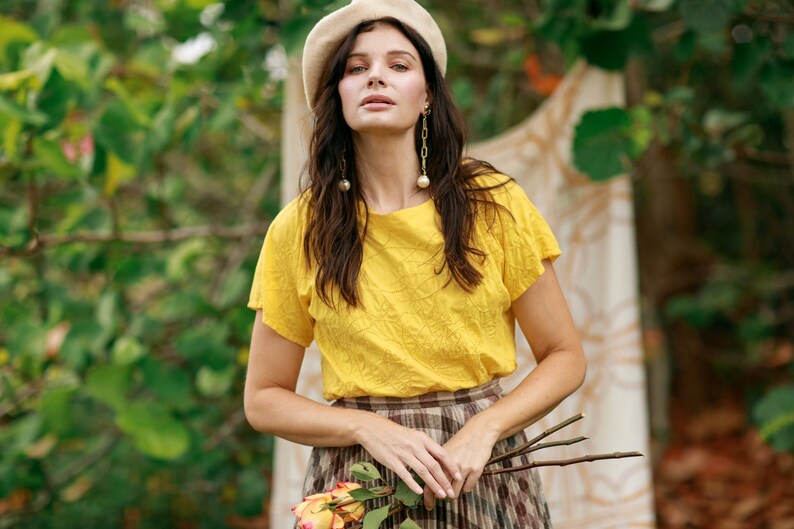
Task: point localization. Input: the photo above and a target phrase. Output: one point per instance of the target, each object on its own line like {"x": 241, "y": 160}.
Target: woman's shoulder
{"x": 501, "y": 188}
{"x": 290, "y": 222}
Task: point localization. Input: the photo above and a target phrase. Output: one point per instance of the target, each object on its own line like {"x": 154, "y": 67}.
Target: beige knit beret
{"x": 326, "y": 37}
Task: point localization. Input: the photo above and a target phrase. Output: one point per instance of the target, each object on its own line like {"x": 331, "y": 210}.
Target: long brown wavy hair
{"x": 333, "y": 239}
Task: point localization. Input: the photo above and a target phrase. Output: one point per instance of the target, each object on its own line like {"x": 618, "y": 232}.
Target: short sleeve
{"x": 526, "y": 238}
{"x": 279, "y": 284}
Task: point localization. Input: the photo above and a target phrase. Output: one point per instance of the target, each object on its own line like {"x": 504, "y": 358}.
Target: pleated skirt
{"x": 511, "y": 500}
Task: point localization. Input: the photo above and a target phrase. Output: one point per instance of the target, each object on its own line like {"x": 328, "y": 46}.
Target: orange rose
{"x": 313, "y": 513}
{"x": 353, "y": 511}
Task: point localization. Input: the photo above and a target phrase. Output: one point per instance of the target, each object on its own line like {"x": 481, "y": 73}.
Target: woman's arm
{"x": 272, "y": 406}
{"x": 545, "y": 320}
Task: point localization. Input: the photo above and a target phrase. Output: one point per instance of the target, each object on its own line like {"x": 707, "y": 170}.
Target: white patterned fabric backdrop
{"x": 598, "y": 272}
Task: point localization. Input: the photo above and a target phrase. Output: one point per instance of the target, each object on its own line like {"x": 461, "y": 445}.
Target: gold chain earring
{"x": 424, "y": 181}
{"x": 344, "y": 183}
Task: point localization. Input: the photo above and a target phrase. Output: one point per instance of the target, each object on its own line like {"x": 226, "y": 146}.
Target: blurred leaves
{"x": 109, "y": 348}
{"x": 774, "y": 415}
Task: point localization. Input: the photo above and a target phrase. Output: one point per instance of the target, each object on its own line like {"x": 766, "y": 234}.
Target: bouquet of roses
{"x": 344, "y": 506}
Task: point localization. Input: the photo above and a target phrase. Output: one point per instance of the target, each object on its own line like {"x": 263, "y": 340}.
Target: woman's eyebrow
{"x": 390, "y": 52}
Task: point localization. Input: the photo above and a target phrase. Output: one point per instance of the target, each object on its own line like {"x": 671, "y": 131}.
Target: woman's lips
{"x": 377, "y": 102}
{"x": 377, "y": 105}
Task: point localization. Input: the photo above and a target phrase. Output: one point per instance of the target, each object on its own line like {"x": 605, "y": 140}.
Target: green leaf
{"x": 14, "y": 31}
{"x": 704, "y": 15}
{"x": 162, "y": 129}
{"x": 155, "y": 432}
{"x": 127, "y": 350}
{"x": 691, "y": 310}
{"x": 774, "y": 414}
{"x": 618, "y": 16}
{"x": 56, "y": 98}
{"x": 365, "y": 471}
{"x": 170, "y": 384}
{"x": 182, "y": 258}
{"x": 214, "y": 383}
{"x": 408, "y": 523}
{"x": 118, "y": 132}
{"x": 207, "y": 345}
{"x": 199, "y": 4}
{"x": 12, "y": 109}
{"x": 49, "y": 156}
{"x": 363, "y": 494}
{"x": 406, "y": 496}
{"x": 606, "y": 49}
{"x": 641, "y": 133}
{"x": 252, "y": 490}
{"x": 295, "y": 30}
{"x": 722, "y": 296}
{"x": 788, "y": 46}
{"x": 72, "y": 67}
{"x": 56, "y": 409}
{"x": 747, "y": 60}
{"x": 18, "y": 435}
{"x": 717, "y": 121}
{"x": 235, "y": 288}
{"x": 107, "y": 310}
{"x": 777, "y": 83}
{"x": 85, "y": 339}
{"x": 133, "y": 107}
{"x": 109, "y": 384}
{"x": 753, "y": 329}
{"x": 373, "y": 519}
{"x": 602, "y": 143}
{"x": 654, "y": 5}
{"x": 15, "y": 80}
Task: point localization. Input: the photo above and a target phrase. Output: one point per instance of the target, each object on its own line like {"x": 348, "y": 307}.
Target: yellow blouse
{"x": 414, "y": 331}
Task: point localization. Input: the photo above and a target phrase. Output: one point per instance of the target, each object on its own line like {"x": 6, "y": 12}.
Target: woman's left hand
{"x": 470, "y": 448}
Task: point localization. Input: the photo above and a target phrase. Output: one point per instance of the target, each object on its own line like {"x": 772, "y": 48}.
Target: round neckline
{"x": 397, "y": 212}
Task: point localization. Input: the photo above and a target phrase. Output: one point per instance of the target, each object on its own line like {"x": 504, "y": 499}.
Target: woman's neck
{"x": 387, "y": 169}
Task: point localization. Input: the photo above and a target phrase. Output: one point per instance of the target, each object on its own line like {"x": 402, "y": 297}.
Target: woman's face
{"x": 384, "y": 88}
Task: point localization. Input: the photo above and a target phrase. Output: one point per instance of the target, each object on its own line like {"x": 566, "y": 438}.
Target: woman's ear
{"x": 428, "y": 97}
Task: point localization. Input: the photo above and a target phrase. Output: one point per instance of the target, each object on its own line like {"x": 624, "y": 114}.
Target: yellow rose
{"x": 353, "y": 511}
{"x": 313, "y": 513}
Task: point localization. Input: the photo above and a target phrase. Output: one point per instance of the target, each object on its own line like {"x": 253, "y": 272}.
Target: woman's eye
{"x": 356, "y": 69}
{"x": 400, "y": 67}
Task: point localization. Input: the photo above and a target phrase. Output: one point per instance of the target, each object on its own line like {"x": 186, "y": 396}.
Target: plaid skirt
{"x": 512, "y": 500}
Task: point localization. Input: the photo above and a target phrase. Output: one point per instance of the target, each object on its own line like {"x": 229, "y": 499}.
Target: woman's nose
{"x": 375, "y": 77}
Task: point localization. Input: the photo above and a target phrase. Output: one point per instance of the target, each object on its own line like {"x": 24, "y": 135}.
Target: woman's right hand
{"x": 403, "y": 450}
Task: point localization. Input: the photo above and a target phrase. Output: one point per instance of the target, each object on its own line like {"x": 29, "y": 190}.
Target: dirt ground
{"x": 716, "y": 473}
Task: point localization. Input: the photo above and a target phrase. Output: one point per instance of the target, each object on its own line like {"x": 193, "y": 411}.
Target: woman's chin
{"x": 378, "y": 125}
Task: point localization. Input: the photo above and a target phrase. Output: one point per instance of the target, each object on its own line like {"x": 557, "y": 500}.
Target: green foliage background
{"x": 136, "y": 185}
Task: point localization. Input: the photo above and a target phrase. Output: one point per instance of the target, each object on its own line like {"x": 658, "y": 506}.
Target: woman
{"x": 408, "y": 265}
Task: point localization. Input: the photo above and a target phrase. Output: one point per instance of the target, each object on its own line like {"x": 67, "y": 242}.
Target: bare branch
{"x": 528, "y": 449}
{"x": 770, "y": 17}
{"x": 563, "y": 462}
{"x": 226, "y": 429}
{"x": 546, "y": 433}
{"x": 146, "y": 237}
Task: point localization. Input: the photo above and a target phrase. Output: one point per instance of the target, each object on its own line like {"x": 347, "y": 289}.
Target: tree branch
{"x": 546, "y": 433}
{"x": 770, "y": 17}
{"x": 541, "y": 446}
{"x": 145, "y": 237}
{"x": 226, "y": 429}
{"x": 563, "y": 462}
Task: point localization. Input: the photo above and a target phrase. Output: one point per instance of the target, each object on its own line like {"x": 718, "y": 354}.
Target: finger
{"x": 443, "y": 487}
{"x": 408, "y": 479}
{"x": 430, "y": 499}
{"x": 471, "y": 481}
{"x": 443, "y": 457}
{"x": 421, "y": 468}
{"x": 457, "y": 487}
